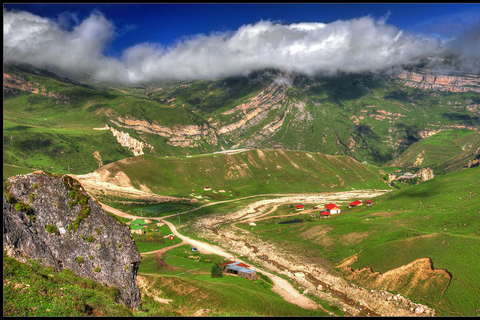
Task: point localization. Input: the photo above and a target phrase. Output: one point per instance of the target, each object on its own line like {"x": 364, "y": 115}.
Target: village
{"x": 139, "y": 227}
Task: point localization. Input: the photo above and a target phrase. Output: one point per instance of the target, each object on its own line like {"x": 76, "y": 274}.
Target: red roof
{"x": 369, "y": 201}
{"x": 240, "y": 264}
{"x": 300, "y": 206}
{"x": 331, "y": 206}
{"x": 325, "y": 213}
{"x": 356, "y": 202}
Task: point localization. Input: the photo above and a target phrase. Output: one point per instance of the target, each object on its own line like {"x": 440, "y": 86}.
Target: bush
{"x": 90, "y": 239}
{"x": 52, "y": 229}
{"x": 79, "y": 260}
{"x": 23, "y": 207}
{"x": 217, "y": 271}
{"x": 97, "y": 269}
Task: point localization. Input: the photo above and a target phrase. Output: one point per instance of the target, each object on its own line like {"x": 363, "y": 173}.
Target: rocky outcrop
{"x": 51, "y": 219}
{"x": 12, "y": 83}
{"x": 125, "y": 140}
{"x": 426, "y": 80}
{"x": 425, "y": 174}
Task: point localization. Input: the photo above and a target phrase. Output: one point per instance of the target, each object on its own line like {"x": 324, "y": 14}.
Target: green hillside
{"x": 49, "y": 120}
{"x": 437, "y": 219}
{"x": 444, "y": 152}
{"x": 247, "y": 173}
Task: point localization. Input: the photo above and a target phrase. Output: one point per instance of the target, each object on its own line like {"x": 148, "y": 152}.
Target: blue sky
{"x": 165, "y": 23}
{"x": 149, "y": 42}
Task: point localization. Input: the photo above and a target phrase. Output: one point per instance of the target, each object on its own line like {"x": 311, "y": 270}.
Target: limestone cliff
{"x": 51, "y": 219}
{"x": 427, "y": 80}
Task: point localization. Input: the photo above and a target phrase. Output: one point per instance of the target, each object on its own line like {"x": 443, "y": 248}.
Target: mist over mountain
{"x": 362, "y": 44}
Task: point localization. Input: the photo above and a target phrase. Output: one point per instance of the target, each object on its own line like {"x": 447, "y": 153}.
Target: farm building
{"x": 300, "y": 207}
{"x": 369, "y": 202}
{"x": 240, "y": 269}
{"x": 332, "y": 208}
{"x": 138, "y": 226}
{"x": 355, "y": 203}
{"x": 207, "y": 188}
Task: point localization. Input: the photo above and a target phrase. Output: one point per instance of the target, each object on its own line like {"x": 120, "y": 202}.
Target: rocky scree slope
{"x": 51, "y": 219}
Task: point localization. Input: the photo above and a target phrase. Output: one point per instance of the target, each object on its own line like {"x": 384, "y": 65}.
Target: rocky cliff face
{"x": 425, "y": 79}
{"x": 51, "y": 219}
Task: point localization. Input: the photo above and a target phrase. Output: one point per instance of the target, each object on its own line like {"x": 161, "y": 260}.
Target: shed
{"x": 369, "y": 202}
{"x": 240, "y": 269}
{"x": 300, "y": 207}
{"x": 325, "y": 213}
{"x": 207, "y": 188}
{"x": 356, "y": 203}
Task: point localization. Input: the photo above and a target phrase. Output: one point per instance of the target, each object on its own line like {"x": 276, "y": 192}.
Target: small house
{"x": 170, "y": 236}
{"x": 325, "y": 213}
{"x": 355, "y": 203}
{"x": 332, "y": 208}
{"x": 300, "y": 207}
{"x": 137, "y": 229}
{"x": 369, "y": 202}
{"x": 138, "y": 226}
{"x": 207, "y": 188}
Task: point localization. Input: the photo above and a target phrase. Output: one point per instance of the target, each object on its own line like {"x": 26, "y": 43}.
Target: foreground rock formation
{"x": 52, "y": 220}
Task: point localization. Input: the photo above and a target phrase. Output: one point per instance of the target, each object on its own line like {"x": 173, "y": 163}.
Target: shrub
{"x": 97, "y": 269}
{"x": 79, "y": 260}
{"x": 31, "y": 197}
{"x": 90, "y": 239}
{"x": 52, "y": 229}
{"x": 119, "y": 245}
{"x": 23, "y": 207}
{"x": 90, "y": 257}
{"x": 97, "y": 231}
{"x": 216, "y": 271}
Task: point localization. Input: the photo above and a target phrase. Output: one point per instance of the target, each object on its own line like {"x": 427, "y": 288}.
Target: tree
{"x": 217, "y": 271}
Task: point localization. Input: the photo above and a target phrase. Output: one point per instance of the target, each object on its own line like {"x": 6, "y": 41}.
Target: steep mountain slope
{"x": 445, "y": 151}
{"x": 58, "y": 124}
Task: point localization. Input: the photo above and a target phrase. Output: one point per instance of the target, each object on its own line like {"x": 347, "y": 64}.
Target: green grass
{"x": 445, "y": 151}
{"x": 32, "y": 290}
{"x": 388, "y": 235}
{"x": 191, "y": 287}
{"x": 248, "y": 173}
{"x": 154, "y": 239}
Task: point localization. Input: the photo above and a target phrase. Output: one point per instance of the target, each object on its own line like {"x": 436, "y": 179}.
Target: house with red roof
{"x": 369, "y": 202}
{"x": 207, "y": 188}
{"x": 332, "y": 208}
{"x": 355, "y": 203}
{"x": 325, "y": 213}
{"x": 300, "y": 207}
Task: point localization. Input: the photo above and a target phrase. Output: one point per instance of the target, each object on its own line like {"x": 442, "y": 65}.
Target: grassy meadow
{"x": 437, "y": 219}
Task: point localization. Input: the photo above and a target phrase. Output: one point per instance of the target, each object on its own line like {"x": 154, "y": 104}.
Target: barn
{"x": 138, "y": 226}
{"x": 332, "y": 208}
{"x": 239, "y": 269}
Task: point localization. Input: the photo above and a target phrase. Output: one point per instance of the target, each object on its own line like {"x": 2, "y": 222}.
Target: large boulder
{"x": 51, "y": 219}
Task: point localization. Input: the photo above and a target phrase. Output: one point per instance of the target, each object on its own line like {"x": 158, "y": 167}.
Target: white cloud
{"x": 356, "y": 45}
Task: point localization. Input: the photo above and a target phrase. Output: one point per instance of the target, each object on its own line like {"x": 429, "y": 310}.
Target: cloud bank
{"x": 356, "y": 45}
